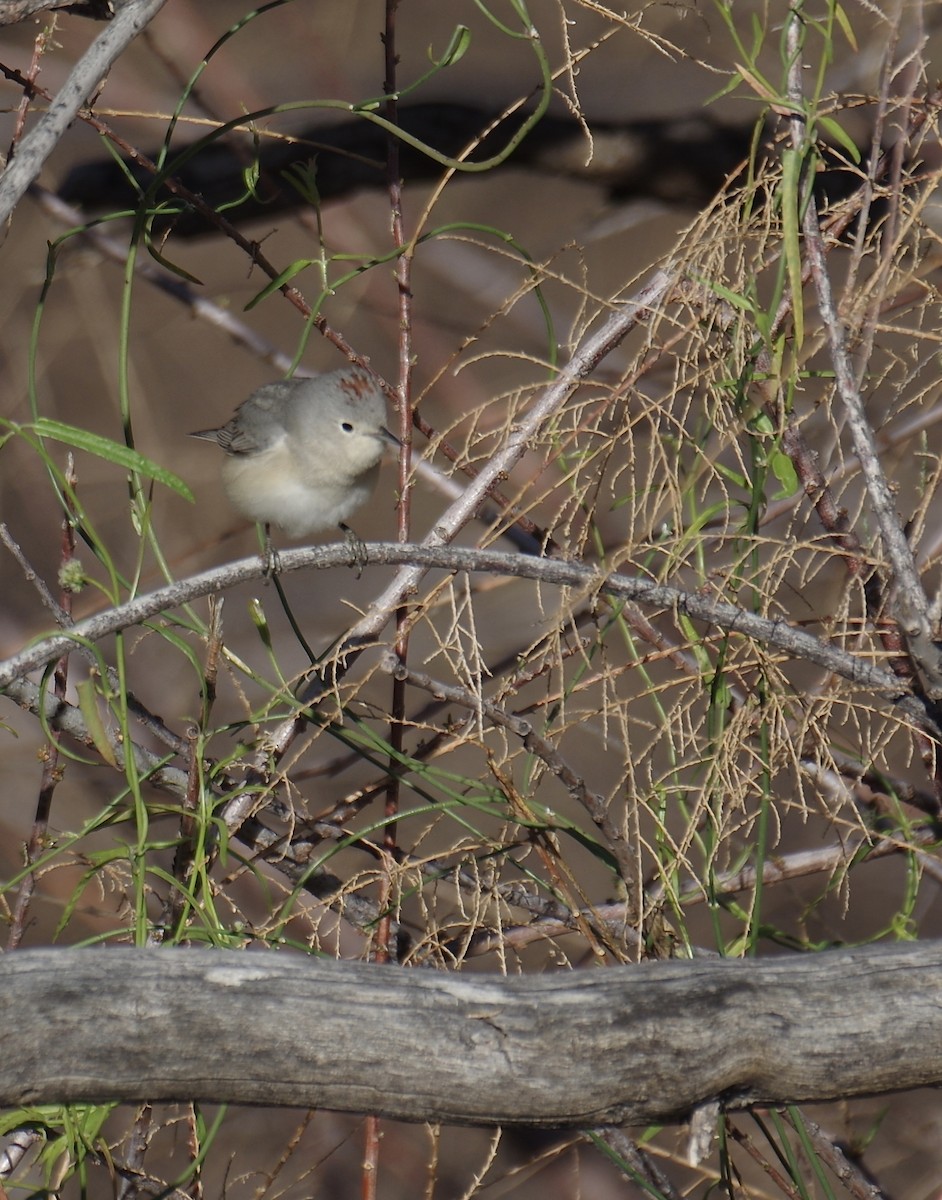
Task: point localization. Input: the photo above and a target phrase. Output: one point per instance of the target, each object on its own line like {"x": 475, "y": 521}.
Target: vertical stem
{"x": 404, "y": 507}
{"x": 51, "y": 772}
{"x": 404, "y": 511}
{"x": 45, "y": 35}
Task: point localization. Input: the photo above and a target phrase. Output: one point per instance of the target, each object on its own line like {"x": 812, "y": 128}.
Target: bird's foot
{"x": 357, "y": 546}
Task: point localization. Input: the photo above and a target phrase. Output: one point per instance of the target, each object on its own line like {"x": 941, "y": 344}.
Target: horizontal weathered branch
{"x": 624, "y": 1044}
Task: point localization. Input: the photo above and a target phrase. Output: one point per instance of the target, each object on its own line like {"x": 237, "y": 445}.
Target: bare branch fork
{"x": 595, "y": 1047}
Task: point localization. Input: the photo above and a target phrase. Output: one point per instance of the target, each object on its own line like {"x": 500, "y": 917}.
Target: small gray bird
{"x": 304, "y": 454}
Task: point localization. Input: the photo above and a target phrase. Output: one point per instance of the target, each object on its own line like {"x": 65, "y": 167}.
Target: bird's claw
{"x": 357, "y": 546}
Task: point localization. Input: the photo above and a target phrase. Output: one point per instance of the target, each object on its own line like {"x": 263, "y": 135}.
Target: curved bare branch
{"x": 776, "y": 634}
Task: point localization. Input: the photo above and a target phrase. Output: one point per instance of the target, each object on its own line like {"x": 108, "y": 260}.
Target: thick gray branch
{"x": 624, "y": 1044}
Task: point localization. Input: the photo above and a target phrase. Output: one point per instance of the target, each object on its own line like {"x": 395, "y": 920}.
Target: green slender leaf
{"x": 456, "y": 49}
{"x": 295, "y": 268}
{"x": 111, "y": 451}
{"x": 840, "y": 135}
{"x": 735, "y": 298}
{"x": 791, "y": 242}
{"x": 840, "y": 15}
{"x": 88, "y": 706}
{"x": 784, "y": 471}
{"x": 167, "y": 264}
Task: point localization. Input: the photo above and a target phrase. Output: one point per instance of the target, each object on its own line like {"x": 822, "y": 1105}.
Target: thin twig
{"x": 911, "y": 602}
{"x": 617, "y": 327}
{"x": 594, "y": 804}
{"x": 82, "y": 82}
{"x": 63, "y": 618}
{"x": 637, "y": 1166}
{"x": 51, "y": 771}
{"x": 372, "y": 1136}
{"x": 837, "y": 1160}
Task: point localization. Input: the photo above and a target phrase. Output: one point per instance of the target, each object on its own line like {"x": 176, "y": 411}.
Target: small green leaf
{"x": 734, "y": 477}
{"x": 102, "y": 447}
{"x": 762, "y": 424}
{"x": 88, "y": 706}
{"x": 295, "y": 268}
{"x": 784, "y": 471}
{"x": 841, "y": 136}
{"x": 172, "y": 267}
{"x": 843, "y": 21}
{"x": 303, "y": 178}
{"x": 260, "y": 621}
{"x": 792, "y": 163}
{"x": 735, "y": 298}
{"x": 250, "y": 177}
{"x": 253, "y": 171}
{"x": 456, "y": 50}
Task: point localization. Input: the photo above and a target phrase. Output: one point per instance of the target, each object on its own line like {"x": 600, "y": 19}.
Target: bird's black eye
{"x": 346, "y": 426}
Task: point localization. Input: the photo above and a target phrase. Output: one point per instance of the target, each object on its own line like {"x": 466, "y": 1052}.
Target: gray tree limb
{"x": 589, "y": 1048}
{"x": 771, "y": 632}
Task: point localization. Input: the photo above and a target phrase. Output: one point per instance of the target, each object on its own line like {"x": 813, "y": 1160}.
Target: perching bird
{"x": 303, "y": 454}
